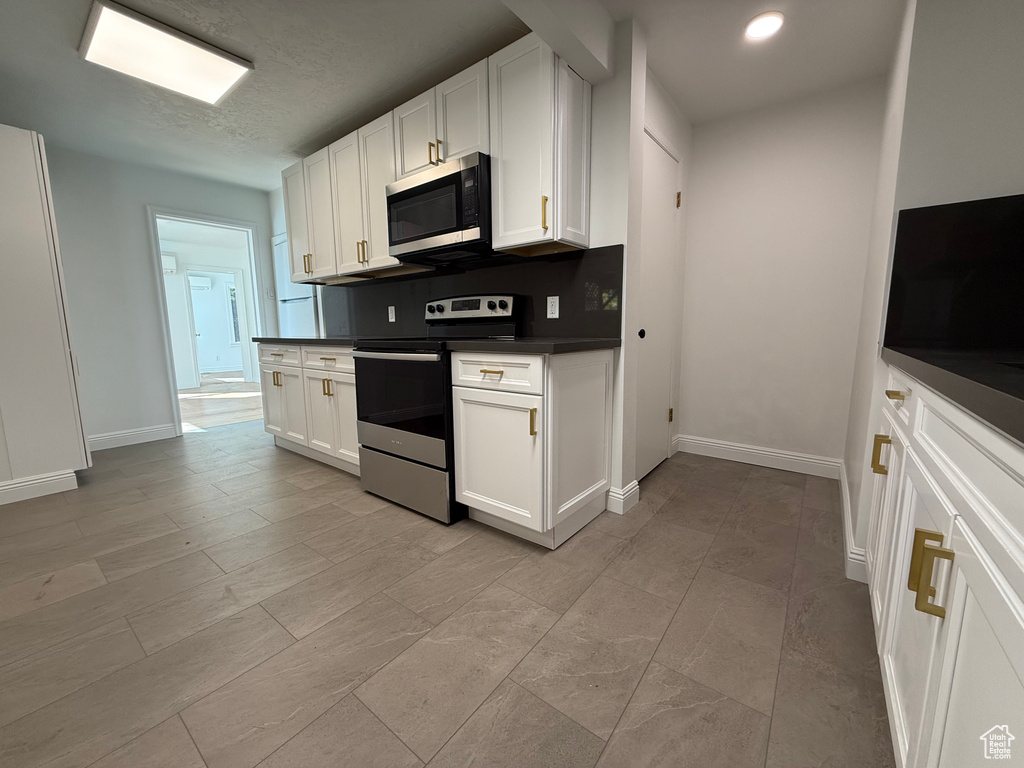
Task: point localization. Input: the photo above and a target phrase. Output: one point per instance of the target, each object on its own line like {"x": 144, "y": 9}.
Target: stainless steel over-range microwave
{"x": 442, "y": 214}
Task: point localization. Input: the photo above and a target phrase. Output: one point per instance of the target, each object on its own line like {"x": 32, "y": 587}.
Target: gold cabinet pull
{"x": 895, "y": 394}
{"x": 533, "y": 422}
{"x": 929, "y": 554}
{"x": 439, "y": 161}
{"x": 486, "y": 371}
{"x": 277, "y": 354}
{"x": 325, "y": 385}
{"x": 332, "y": 359}
{"x": 431, "y": 148}
{"x": 365, "y": 259}
{"x": 273, "y": 378}
{"x": 876, "y": 454}
{"x": 307, "y": 263}
{"x": 544, "y": 212}
{"x": 330, "y": 389}
{"x": 921, "y": 537}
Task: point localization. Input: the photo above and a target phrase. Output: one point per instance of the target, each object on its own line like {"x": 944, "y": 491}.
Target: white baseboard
{"x": 856, "y": 561}
{"x": 40, "y": 485}
{"x": 132, "y": 436}
{"x": 621, "y": 500}
{"x": 820, "y": 466}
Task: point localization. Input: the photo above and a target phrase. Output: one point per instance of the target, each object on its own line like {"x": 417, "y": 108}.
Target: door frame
{"x": 248, "y": 359}
{"x": 154, "y": 212}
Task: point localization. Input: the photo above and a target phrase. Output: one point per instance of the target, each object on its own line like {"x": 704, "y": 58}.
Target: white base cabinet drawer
{"x": 280, "y": 355}
{"x": 499, "y": 454}
{"x": 507, "y": 373}
{"x": 328, "y": 358}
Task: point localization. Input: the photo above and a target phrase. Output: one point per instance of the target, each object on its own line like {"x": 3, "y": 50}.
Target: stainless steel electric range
{"x": 404, "y": 403}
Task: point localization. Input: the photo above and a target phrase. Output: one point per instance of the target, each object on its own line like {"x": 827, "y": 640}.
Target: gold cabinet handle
{"x": 332, "y": 359}
{"x": 277, "y": 354}
{"x": 273, "y": 378}
{"x": 544, "y": 212}
{"x": 533, "y": 422}
{"x": 876, "y": 454}
{"x": 921, "y": 537}
{"x": 925, "y": 590}
{"x": 330, "y": 389}
{"x": 365, "y": 259}
{"x": 486, "y": 371}
{"x": 439, "y": 161}
{"x": 325, "y": 385}
{"x": 307, "y": 262}
{"x": 895, "y": 394}
{"x": 431, "y": 148}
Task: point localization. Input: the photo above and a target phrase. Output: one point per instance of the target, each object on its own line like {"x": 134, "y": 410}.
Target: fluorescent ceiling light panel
{"x": 120, "y": 39}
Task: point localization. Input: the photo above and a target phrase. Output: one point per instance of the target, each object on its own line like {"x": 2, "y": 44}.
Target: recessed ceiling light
{"x": 765, "y": 25}
{"x": 120, "y": 39}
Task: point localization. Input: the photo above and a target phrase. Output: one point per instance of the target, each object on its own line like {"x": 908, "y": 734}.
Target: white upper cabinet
{"x": 444, "y": 123}
{"x": 463, "y": 125}
{"x": 346, "y": 181}
{"x": 415, "y": 135}
{"x": 319, "y": 215}
{"x": 294, "y": 187}
{"x": 377, "y": 170}
{"x": 540, "y": 149}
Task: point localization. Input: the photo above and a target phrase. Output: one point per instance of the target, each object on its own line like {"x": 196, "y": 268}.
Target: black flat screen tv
{"x": 958, "y": 277}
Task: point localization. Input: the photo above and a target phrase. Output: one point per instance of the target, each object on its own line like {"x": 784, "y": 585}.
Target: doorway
{"x": 210, "y": 291}
{"x": 658, "y": 314}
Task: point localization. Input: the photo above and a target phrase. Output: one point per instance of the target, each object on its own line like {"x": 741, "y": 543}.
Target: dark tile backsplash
{"x": 588, "y": 284}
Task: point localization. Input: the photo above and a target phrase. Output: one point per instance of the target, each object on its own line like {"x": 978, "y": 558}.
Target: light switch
{"x": 391, "y": 314}
{"x": 552, "y": 307}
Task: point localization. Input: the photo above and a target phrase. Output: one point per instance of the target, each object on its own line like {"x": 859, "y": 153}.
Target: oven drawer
{"x": 507, "y": 373}
{"x": 279, "y": 355}
{"x": 328, "y": 358}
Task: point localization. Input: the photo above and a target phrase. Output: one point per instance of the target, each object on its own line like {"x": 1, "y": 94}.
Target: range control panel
{"x": 469, "y": 308}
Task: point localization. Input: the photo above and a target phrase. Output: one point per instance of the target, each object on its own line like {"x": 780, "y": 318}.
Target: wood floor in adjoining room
{"x": 216, "y": 601}
{"x": 220, "y": 399}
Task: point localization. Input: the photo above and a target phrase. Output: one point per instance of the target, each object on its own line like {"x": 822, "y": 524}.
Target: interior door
{"x": 348, "y": 202}
{"x": 294, "y": 188}
{"x": 656, "y": 302}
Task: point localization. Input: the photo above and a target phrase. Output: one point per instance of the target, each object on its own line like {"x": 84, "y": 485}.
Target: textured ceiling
{"x": 323, "y": 68}
{"x": 697, "y": 50}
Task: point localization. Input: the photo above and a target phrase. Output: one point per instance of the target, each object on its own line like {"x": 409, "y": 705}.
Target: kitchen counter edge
{"x": 538, "y": 346}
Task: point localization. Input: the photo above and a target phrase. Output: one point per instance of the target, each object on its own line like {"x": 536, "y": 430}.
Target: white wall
{"x": 869, "y": 377}
{"x": 115, "y": 312}
{"x": 779, "y": 214}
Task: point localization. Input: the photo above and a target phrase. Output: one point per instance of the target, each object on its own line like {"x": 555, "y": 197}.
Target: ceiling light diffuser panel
{"x": 125, "y": 41}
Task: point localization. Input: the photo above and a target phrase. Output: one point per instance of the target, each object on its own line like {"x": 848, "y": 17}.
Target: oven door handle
{"x": 427, "y": 357}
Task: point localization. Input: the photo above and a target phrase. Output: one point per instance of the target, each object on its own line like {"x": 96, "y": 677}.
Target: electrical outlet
{"x": 552, "y": 307}
{"x": 391, "y": 314}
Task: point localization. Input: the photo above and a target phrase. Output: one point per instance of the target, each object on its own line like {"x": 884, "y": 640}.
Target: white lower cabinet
{"x": 533, "y": 460}
{"x": 945, "y": 556}
{"x": 499, "y": 454}
{"x": 313, "y": 405}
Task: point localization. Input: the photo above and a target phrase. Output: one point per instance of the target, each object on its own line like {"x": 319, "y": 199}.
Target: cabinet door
{"x": 293, "y": 404}
{"x": 320, "y": 213}
{"x": 377, "y": 167}
{"x": 910, "y": 637}
{"x": 499, "y": 460}
{"x": 320, "y": 420}
{"x": 274, "y": 416}
{"x": 293, "y": 185}
{"x": 882, "y": 525}
{"x": 522, "y": 98}
{"x": 343, "y": 390}
{"x": 572, "y": 137}
{"x": 463, "y": 125}
{"x": 415, "y": 135}
{"x": 346, "y": 181}
{"x": 979, "y": 681}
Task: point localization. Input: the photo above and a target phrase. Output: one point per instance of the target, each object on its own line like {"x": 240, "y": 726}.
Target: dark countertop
{"x": 534, "y": 346}
{"x": 980, "y": 382}
{"x": 342, "y": 341}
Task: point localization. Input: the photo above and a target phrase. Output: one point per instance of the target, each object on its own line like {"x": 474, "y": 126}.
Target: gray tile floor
{"x": 215, "y": 601}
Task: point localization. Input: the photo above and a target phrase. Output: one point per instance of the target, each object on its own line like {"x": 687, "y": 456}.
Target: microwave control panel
{"x": 469, "y": 308}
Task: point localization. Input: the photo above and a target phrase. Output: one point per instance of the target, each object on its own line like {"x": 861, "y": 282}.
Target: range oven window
{"x": 430, "y": 209}
{"x": 408, "y": 395}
